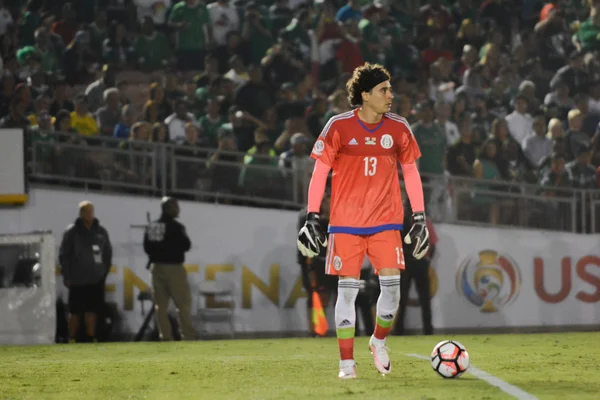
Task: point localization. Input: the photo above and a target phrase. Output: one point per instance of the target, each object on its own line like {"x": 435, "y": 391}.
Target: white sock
{"x": 388, "y": 303}
{"x": 345, "y": 315}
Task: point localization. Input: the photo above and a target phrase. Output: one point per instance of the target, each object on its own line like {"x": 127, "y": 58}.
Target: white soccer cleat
{"x": 347, "y": 369}
{"x": 381, "y": 359}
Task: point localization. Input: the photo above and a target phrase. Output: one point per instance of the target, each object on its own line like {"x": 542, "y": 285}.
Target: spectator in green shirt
{"x": 431, "y": 140}
{"x": 212, "y": 121}
{"x": 190, "y": 20}
{"x": 372, "y": 44}
{"x": 152, "y": 48}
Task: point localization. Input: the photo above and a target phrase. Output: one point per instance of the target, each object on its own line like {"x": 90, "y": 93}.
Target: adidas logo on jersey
{"x": 353, "y": 142}
{"x": 370, "y": 140}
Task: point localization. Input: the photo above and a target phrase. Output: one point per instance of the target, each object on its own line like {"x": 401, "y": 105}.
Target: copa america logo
{"x": 489, "y": 280}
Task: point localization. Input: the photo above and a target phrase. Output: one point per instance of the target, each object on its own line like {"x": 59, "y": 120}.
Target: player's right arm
{"x": 311, "y": 237}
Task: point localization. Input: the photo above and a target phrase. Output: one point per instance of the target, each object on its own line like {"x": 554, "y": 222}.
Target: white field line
{"x": 492, "y": 380}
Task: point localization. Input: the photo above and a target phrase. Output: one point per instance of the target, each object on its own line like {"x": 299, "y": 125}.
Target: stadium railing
{"x": 507, "y": 203}
{"x": 194, "y": 173}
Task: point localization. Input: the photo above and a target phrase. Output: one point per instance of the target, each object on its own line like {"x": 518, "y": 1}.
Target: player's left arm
{"x": 408, "y": 153}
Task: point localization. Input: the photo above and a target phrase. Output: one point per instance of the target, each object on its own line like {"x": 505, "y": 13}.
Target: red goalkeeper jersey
{"x": 365, "y": 194}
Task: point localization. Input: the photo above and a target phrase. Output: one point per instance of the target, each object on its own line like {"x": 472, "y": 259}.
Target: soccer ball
{"x": 449, "y": 359}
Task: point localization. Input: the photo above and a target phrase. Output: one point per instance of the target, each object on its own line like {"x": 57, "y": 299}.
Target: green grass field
{"x": 548, "y": 366}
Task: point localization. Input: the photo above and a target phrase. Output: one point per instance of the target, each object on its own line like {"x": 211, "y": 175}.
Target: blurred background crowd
{"x": 503, "y": 91}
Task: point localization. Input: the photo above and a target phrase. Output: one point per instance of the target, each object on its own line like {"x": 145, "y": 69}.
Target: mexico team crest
{"x": 337, "y": 263}
{"x": 386, "y": 141}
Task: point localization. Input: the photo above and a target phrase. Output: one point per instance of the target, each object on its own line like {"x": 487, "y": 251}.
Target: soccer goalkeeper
{"x": 363, "y": 148}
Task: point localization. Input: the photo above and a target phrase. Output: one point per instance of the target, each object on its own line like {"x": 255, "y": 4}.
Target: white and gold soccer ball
{"x": 449, "y": 359}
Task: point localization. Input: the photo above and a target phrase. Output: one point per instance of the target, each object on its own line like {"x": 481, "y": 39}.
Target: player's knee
{"x": 391, "y": 291}
{"x": 348, "y": 290}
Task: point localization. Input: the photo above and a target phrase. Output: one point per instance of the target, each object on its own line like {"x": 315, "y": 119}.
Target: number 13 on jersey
{"x": 370, "y": 165}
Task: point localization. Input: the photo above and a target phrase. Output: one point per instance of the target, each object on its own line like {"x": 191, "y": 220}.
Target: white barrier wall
{"x": 483, "y": 277}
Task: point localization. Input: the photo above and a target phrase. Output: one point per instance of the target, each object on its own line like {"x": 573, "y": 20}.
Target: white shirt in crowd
{"x": 155, "y": 9}
{"x": 519, "y": 125}
{"x": 451, "y": 131}
{"x": 224, "y": 19}
{"x": 536, "y": 147}
{"x": 236, "y": 78}
{"x": 176, "y": 126}
{"x": 594, "y": 105}
{"x": 5, "y": 20}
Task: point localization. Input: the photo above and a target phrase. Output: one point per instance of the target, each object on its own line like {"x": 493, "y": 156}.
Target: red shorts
{"x": 346, "y": 252}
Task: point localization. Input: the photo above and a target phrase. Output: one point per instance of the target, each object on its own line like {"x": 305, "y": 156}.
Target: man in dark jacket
{"x": 166, "y": 242}
{"x": 419, "y": 271}
{"x": 85, "y": 258}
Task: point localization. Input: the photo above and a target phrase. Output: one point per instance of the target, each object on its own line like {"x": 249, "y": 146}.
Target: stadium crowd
{"x": 501, "y": 90}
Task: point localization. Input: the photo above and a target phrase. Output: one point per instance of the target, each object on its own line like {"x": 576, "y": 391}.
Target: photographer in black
{"x": 166, "y": 242}
{"x": 313, "y": 270}
{"x": 419, "y": 271}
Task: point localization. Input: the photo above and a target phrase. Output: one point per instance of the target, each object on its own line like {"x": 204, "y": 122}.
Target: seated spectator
{"x": 68, "y": 25}
{"x": 581, "y": 173}
{"x": 589, "y": 121}
{"x": 16, "y": 118}
{"x": 117, "y": 49}
{"x": 211, "y": 121}
{"x": 41, "y": 138}
{"x": 177, "y": 121}
{"x": 156, "y": 108}
{"x": 60, "y": 100}
{"x": 442, "y": 113}
{"x": 98, "y": 30}
{"x": 555, "y": 129}
{"x": 109, "y": 115}
{"x": 348, "y": 53}
{"x": 350, "y": 11}
{"x": 296, "y": 165}
{"x": 519, "y": 121}
{"x": 431, "y": 140}
{"x": 77, "y": 59}
{"x": 260, "y": 139}
{"x": 128, "y": 118}
{"x": 254, "y": 96}
{"x": 594, "y": 100}
{"x": 237, "y": 72}
{"x": 575, "y": 138}
{"x": 560, "y": 97}
{"x": 224, "y": 164}
{"x": 49, "y": 62}
{"x": 553, "y": 179}
{"x": 315, "y": 116}
{"x": 41, "y": 104}
{"x": 485, "y": 168}
{"x": 243, "y": 125}
{"x": 160, "y": 133}
{"x": 82, "y": 120}
{"x": 256, "y": 179}
{"x": 95, "y": 91}
{"x": 191, "y": 168}
{"x": 462, "y": 153}
{"x": 537, "y": 146}
{"x": 123, "y": 87}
